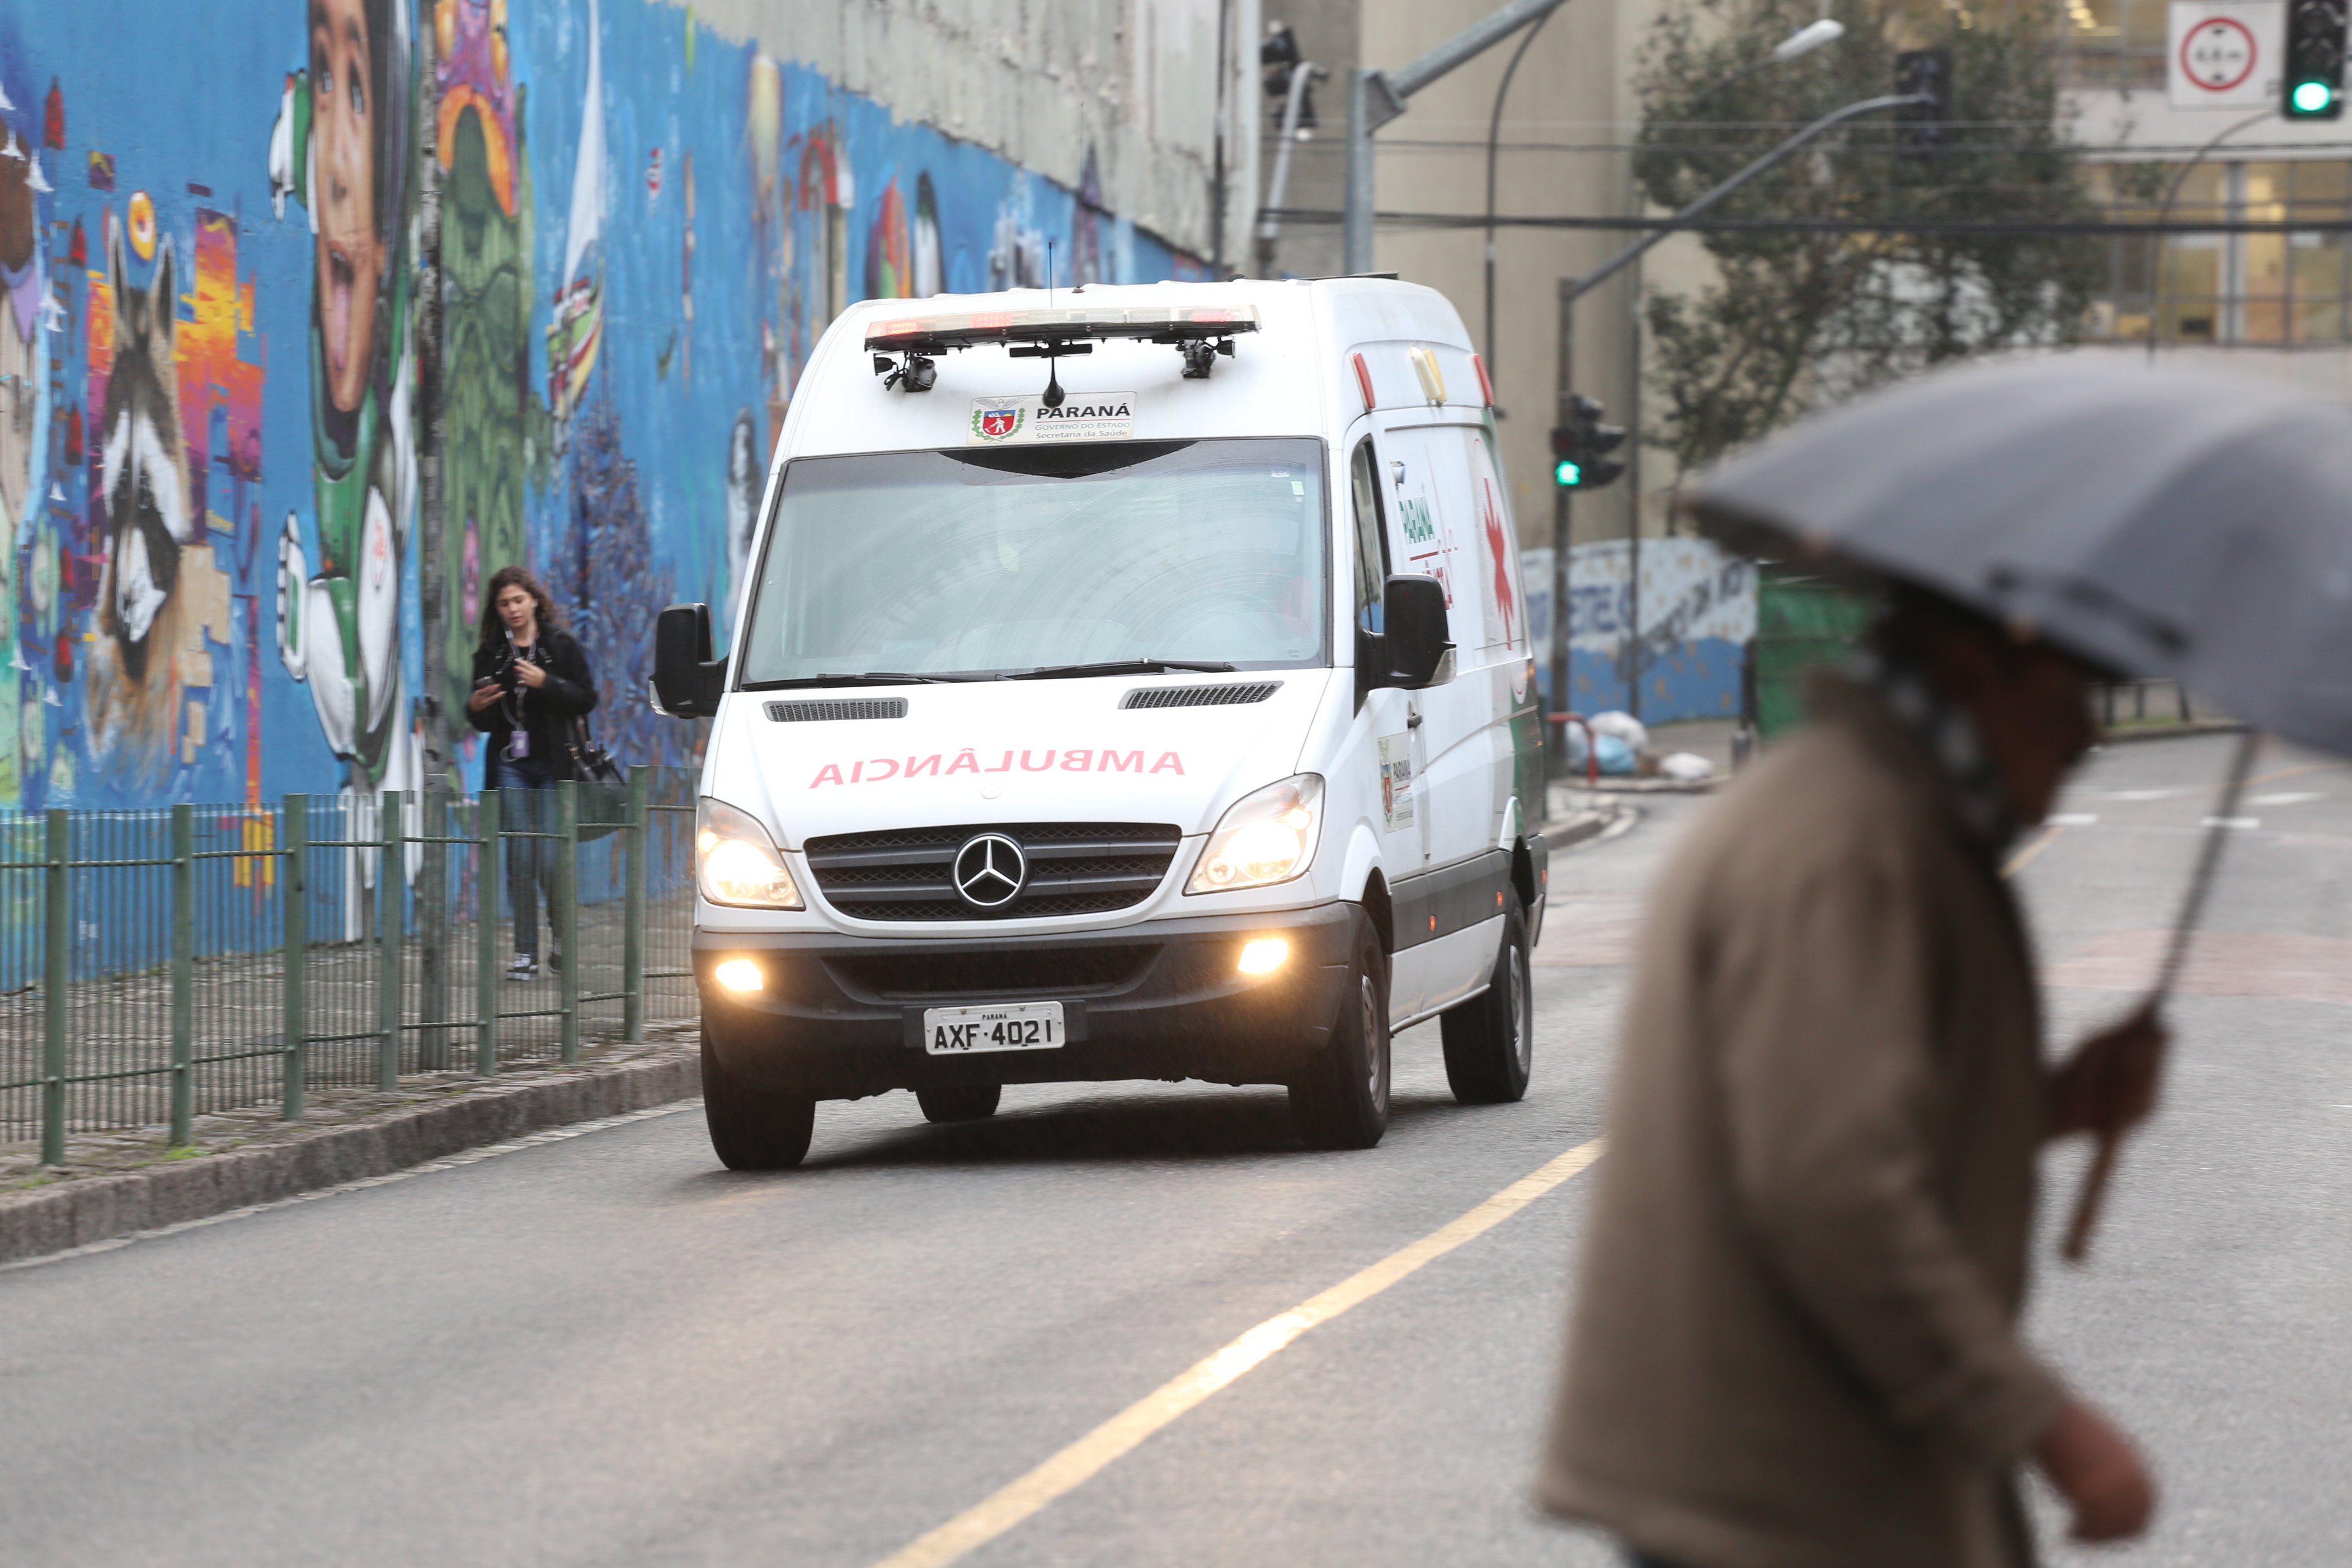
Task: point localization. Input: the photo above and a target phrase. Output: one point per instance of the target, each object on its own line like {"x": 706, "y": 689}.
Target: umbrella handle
{"x": 2088, "y": 1202}
{"x": 2093, "y": 1194}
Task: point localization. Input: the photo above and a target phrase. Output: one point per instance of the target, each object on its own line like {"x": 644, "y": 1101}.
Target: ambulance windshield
{"x": 1000, "y": 560}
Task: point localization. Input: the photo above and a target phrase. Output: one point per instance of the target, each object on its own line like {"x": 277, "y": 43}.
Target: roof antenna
{"x": 1054, "y": 394}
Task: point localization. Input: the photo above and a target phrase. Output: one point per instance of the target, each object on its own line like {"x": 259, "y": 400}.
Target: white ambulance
{"x": 1127, "y": 682}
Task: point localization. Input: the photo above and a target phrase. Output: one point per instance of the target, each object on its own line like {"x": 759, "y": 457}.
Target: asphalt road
{"x": 604, "y": 1349}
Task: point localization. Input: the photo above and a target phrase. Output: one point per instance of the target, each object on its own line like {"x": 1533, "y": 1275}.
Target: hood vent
{"x": 1226, "y": 696}
{"x": 823, "y": 710}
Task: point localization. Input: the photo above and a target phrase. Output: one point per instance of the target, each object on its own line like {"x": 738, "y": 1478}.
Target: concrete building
{"x": 1123, "y": 101}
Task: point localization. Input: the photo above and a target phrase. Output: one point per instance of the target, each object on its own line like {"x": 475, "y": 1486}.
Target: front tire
{"x": 963, "y": 1102}
{"x": 753, "y": 1127}
{"x": 1341, "y": 1100}
{"x": 1490, "y": 1039}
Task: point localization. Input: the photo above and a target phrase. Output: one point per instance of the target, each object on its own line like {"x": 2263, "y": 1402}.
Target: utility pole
{"x": 1375, "y": 98}
{"x": 1563, "y": 526}
{"x": 1303, "y": 76}
{"x": 431, "y": 577}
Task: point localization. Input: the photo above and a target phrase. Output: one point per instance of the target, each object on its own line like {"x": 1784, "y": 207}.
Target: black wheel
{"x": 1490, "y": 1039}
{"x": 753, "y": 1127}
{"x": 965, "y": 1102}
{"x": 1341, "y": 1100}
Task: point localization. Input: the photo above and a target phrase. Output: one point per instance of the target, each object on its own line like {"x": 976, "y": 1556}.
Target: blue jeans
{"x": 526, "y": 788}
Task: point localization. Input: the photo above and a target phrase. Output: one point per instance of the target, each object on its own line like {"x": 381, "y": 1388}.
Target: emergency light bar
{"x": 1154, "y": 324}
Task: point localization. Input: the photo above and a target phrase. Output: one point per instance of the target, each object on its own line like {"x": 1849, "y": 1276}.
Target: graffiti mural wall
{"x": 1697, "y": 615}
{"x": 212, "y": 254}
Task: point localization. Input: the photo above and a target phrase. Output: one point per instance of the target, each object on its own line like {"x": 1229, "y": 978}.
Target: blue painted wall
{"x": 1698, "y": 617}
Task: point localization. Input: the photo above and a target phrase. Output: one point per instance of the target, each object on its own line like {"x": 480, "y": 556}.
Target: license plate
{"x": 1018, "y": 1026}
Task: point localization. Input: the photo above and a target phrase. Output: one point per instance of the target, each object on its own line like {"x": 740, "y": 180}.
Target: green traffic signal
{"x": 2311, "y": 97}
{"x": 1568, "y": 474}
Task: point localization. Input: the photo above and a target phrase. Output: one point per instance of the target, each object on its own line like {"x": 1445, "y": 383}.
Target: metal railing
{"x": 159, "y": 965}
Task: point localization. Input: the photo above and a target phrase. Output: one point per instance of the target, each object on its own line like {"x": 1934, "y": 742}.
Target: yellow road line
{"x": 2276, "y": 774}
{"x": 2024, "y": 857}
{"x": 1073, "y": 1466}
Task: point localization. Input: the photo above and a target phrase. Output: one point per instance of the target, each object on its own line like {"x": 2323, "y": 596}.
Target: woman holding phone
{"x": 531, "y": 683}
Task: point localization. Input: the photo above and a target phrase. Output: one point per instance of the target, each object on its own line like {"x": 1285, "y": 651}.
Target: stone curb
{"x": 1579, "y": 826}
{"x": 77, "y": 1212}
{"x": 2172, "y": 731}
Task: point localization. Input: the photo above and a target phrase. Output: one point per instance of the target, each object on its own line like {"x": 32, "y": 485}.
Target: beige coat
{"x": 1794, "y": 1342}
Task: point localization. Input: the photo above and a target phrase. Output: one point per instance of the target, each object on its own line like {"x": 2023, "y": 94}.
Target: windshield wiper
{"x": 1123, "y": 667}
{"x": 870, "y": 678}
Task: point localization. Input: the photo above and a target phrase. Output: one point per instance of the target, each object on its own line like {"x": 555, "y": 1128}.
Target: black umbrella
{"x": 2176, "y": 524}
{"x": 2192, "y": 527}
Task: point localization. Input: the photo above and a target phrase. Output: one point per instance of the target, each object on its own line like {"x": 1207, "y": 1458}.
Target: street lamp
{"x": 1572, "y": 290}
{"x": 1803, "y": 41}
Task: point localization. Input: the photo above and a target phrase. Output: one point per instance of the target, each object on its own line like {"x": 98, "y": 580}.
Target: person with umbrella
{"x": 1795, "y": 1336}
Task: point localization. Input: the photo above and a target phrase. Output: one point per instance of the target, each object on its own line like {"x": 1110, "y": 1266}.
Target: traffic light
{"x": 1577, "y": 447}
{"x": 1280, "y": 57}
{"x": 2313, "y": 82}
{"x": 1926, "y": 73}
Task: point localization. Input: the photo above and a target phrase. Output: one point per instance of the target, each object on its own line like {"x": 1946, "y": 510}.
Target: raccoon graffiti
{"x": 158, "y": 589}
{"x": 342, "y": 147}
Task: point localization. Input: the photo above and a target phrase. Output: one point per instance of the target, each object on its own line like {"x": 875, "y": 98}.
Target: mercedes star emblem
{"x": 990, "y": 871}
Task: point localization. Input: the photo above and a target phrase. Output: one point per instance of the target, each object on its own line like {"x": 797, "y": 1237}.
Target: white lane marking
{"x": 1073, "y": 1466}
{"x": 447, "y": 1163}
{"x": 2290, "y": 798}
{"x": 2240, "y": 822}
{"x": 2072, "y": 819}
{"x": 2141, "y": 794}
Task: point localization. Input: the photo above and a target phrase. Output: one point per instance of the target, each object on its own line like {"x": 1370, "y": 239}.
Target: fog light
{"x": 739, "y": 975}
{"x": 1265, "y": 955}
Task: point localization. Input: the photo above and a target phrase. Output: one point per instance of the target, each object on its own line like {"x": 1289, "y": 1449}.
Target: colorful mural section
{"x": 1697, "y": 608}
{"x": 213, "y": 281}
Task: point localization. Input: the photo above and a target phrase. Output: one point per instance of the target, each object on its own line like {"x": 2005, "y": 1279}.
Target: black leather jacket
{"x": 546, "y": 714}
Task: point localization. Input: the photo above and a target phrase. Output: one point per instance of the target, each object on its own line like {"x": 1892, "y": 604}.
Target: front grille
{"x": 838, "y": 707}
{"x": 1044, "y": 972}
{"x": 1075, "y": 868}
{"x": 1200, "y": 697}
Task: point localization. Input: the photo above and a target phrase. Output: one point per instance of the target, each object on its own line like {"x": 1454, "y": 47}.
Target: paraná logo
{"x": 996, "y": 424}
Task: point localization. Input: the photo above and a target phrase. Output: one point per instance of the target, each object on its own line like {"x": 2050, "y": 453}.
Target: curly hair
{"x": 494, "y": 630}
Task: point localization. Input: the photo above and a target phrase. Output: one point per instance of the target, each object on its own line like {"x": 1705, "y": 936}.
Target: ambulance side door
{"x": 1396, "y": 750}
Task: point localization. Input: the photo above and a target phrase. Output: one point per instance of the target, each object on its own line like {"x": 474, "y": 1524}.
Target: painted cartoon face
{"x": 349, "y": 246}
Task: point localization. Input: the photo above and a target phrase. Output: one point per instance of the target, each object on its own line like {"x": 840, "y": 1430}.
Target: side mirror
{"x": 686, "y": 680}
{"x": 1413, "y": 612}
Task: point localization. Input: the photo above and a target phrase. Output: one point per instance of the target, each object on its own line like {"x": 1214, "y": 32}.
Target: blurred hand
{"x": 529, "y": 675}
{"x": 484, "y": 695}
{"x": 2098, "y": 1472}
{"x": 2109, "y": 1084}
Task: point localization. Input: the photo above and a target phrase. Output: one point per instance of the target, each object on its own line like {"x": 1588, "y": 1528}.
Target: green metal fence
{"x": 1800, "y": 621}
{"x": 159, "y": 965}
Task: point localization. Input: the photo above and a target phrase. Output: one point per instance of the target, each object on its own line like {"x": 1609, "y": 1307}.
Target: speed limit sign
{"x": 2225, "y": 55}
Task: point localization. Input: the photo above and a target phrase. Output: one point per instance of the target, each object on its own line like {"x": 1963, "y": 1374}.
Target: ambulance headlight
{"x": 736, "y": 863}
{"x": 1267, "y": 837}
